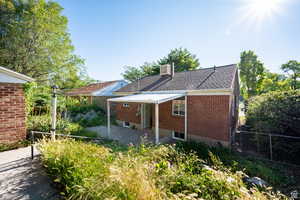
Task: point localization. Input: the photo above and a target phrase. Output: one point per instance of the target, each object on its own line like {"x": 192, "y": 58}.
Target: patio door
{"x": 147, "y": 115}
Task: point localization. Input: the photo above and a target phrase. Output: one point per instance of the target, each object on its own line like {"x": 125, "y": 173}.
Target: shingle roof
{"x": 89, "y": 89}
{"x": 206, "y": 78}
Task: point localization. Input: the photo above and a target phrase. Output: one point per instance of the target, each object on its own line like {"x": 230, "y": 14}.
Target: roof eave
{"x": 16, "y": 74}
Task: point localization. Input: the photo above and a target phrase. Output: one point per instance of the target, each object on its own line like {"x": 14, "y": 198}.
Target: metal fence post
{"x": 32, "y": 143}
{"x": 271, "y": 149}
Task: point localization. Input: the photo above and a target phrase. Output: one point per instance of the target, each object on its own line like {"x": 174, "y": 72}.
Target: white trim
{"x": 15, "y": 74}
{"x": 124, "y": 124}
{"x": 108, "y": 119}
{"x": 176, "y": 138}
{"x": 156, "y": 123}
{"x": 177, "y": 115}
{"x": 220, "y": 91}
{"x": 158, "y": 101}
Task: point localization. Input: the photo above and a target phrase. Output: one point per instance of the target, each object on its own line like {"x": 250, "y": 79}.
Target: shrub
{"x": 87, "y": 115}
{"x": 234, "y": 162}
{"x": 43, "y": 123}
{"x": 83, "y": 109}
{"x": 275, "y": 112}
{"x": 16, "y": 145}
{"x": 87, "y": 171}
{"x": 278, "y": 113}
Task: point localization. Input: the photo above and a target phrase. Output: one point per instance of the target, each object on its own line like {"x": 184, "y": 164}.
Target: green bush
{"x": 88, "y": 171}
{"x": 43, "y": 123}
{"x": 98, "y": 120}
{"x": 275, "y": 112}
{"x": 234, "y": 162}
{"x": 16, "y": 145}
{"x": 83, "y": 109}
{"x": 278, "y": 113}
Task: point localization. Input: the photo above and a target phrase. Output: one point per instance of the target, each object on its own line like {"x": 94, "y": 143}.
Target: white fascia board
{"x": 171, "y": 98}
{"x": 15, "y": 75}
{"x": 124, "y": 93}
{"x": 221, "y": 91}
{"x": 225, "y": 91}
{"x": 144, "y": 98}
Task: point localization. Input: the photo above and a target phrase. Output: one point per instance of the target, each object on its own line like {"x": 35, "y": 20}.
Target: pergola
{"x": 148, "y": 98}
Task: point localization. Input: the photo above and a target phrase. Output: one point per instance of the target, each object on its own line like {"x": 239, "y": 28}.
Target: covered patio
{"x": 148, "y": 98}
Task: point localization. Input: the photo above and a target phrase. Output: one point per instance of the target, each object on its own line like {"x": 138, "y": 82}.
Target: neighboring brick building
{"x": 205, "y": 108}
{"x": 12, "y": 106}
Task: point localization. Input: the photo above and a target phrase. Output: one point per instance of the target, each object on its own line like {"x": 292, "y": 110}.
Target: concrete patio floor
{"x": 128, "y": 135}
{"x": 24, "y": 178}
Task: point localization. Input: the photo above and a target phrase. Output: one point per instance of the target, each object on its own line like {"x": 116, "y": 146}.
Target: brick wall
{"x": 129, "y": 114}
{"x": 12, "y": 113}
{"x": 166, "y": 119}
{"x": 208, "y": 117}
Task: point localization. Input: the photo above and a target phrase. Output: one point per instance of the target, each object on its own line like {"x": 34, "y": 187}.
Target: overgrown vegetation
{"x": 110, "y": 171}
{"x": 16, "y": 145}
{"x": 277, "y": 113}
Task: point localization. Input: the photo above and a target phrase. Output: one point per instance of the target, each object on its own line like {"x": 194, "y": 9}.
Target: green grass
{"x": 16, "y": 145}
{"x": 112, "y": 171}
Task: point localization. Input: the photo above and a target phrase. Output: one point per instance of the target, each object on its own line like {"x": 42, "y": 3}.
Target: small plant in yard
{"x": 15, "y": 145}
{"x": 109, "y": 171}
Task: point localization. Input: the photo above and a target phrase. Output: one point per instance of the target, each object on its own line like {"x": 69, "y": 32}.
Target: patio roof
{"x": 148, "y": 98}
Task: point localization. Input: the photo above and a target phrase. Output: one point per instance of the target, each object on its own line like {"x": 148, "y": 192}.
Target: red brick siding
{"x": 12, "y": 113}
{"x": 166, "y": 119}
{"x": 208, "y": 116}
{"x": 129, "y": 114}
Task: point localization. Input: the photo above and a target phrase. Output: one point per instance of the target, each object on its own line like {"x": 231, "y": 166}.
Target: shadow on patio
{"x": 128, "y": 135}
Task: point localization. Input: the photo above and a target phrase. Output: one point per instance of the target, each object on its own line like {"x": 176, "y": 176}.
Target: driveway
{"x": 24, "y": 178}
{"x": 128, "y": 135}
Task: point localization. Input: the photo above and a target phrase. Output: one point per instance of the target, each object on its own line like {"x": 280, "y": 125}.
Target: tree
{"x": 274, "y": 82}
{"x": 182, "y": 59}
{"x": 34, "y": 41}
{"x": 292, "y": 67}
{"x": 132, "y": 74}
{"x": 251, "y": 73}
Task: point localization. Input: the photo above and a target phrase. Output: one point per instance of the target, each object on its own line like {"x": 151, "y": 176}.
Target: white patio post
{"x": 156, "y": 123}
{"x": 108, "y": 119}
{"x": 53, "y": 111}
{"x": 185, "y": 118}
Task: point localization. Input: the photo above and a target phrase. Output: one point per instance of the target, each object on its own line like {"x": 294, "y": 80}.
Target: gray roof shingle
{"x": 205, "y": 78}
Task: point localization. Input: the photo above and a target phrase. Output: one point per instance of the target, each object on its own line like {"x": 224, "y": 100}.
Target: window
{"x": 178, "y": 107}
{"x": 126, "y": 124}
{"x": 178, "y": 135}
{"x": 126, "y": 105}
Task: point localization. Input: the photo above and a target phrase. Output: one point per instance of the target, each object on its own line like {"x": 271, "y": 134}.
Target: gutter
{"x": 15, "y": 74}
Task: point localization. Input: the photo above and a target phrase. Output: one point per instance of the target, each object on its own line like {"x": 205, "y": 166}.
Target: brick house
{"x": 193, "y": 105}
{"x": 12, "y": 106}
{"x": 97, "y": 93}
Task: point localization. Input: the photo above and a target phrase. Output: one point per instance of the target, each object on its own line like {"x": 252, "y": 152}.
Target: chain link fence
{"x": 274, "y": 147}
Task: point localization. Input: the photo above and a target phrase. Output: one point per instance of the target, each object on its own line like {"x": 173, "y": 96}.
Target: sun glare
{"x": 262, "y": 9}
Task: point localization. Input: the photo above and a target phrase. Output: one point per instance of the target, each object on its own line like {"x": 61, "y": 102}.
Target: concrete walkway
{"x": 24, "y": 178}
{"x": 128, "y": 135}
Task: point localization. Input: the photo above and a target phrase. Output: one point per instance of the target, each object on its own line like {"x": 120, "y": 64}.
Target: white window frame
{"x": 182, "y": 105}
{"x": 126, "y": 126}
{"x": 177, "y": 138}
{"x": 125, "y": 105}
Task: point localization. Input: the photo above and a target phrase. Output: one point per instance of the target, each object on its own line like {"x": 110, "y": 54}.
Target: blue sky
{"x": 110, "y": 34}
